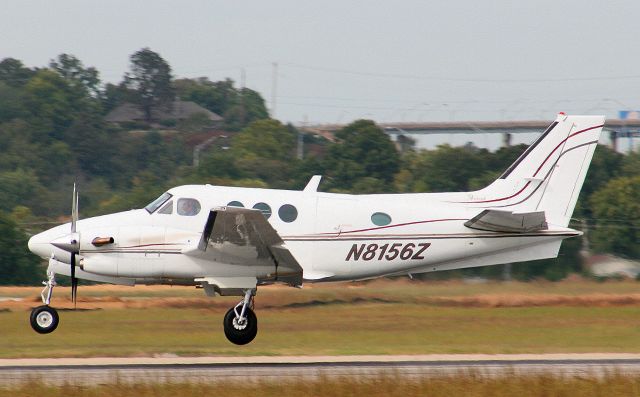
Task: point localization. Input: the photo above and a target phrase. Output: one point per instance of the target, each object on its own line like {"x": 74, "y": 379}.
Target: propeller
{"x": 71, "y": 244}
{"x": 74, "y": 221}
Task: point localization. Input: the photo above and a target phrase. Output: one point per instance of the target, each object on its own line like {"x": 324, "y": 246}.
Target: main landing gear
{"x": 240, "y": 322}
{"x": 44, "y": 319}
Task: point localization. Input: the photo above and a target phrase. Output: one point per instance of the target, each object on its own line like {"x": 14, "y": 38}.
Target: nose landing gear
{"x": 240, "y": 322}
{"x": 44, "y": 319}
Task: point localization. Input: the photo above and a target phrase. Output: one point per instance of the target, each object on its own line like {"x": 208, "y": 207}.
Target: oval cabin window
{"x": 288, "y": 213}
{"x": 235, "y": 204}
{"x": 380, "y": 219}
{"x": 264, "y": 208}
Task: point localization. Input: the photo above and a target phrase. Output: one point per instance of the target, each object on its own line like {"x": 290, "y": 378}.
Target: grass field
{"x": 381, "y": 317}
{"x": 468, "y": 385}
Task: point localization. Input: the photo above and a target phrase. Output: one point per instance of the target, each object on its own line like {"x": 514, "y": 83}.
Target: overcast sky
{"x": 340, "y": 60}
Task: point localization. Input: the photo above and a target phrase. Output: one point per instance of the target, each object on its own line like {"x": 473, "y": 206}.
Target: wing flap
{"x": 244, "y": 236}
{"x": 508, "y": 221}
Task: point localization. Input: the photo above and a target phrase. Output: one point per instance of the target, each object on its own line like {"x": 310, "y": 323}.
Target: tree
{"x": 238, "y": 107}
{"x": 605, "y": 166}
{"x": 20, "y": 187}
{"x": 72, "y": 70}
{"x": 268, "y": 139}
{"x": 363, "y": 151}
{"x": 247, "y": 107}
{"x": 14, "y": 73}
{"x": 150, "y": 82}
{"x": 617, "y": 214}
{"x": 449, "y": 169}
{"x": 51, "y": 104}
{"x": 17, "y": 265}
{"x": 216, "y": 96}
{"x": 11, "y": 104}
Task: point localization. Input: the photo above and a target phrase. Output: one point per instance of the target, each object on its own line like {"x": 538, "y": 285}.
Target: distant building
{"x": 180, "y": 111}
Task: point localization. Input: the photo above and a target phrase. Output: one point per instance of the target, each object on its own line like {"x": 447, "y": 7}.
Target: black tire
{"x": 237, "y": 335}
{"x": 44, "y": 319}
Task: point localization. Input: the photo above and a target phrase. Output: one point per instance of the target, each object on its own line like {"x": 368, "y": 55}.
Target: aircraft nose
{"x": 40, "y": 245}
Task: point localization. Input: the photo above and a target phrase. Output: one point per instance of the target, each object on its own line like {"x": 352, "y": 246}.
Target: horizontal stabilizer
{"x": 508, "y": 221}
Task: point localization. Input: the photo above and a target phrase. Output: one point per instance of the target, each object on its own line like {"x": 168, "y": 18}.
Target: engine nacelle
{"x": 100, "y": 264}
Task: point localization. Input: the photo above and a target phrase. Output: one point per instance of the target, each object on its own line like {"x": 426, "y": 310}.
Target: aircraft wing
{"x": 508, "y": 221}
{"x": 243, "y": 236}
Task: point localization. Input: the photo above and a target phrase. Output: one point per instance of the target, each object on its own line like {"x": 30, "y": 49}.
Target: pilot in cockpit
{"x": 188, "y": 207}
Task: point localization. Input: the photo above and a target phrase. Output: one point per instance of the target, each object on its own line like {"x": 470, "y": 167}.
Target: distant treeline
{"x": 53, "y": 133}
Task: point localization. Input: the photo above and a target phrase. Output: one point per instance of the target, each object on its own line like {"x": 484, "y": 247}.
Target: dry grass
{"x": 576, "y": 292}
{"x": 380, "y": 317}
{"x": 468, "y": 385}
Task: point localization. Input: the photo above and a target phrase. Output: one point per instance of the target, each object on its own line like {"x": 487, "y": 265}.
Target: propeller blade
{"x": 75, "y": 246}
{"x": 74, "y": 209}
{"x": 74, "y": 280}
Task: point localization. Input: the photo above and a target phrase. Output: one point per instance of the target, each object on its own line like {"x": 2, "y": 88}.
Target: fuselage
{"x": 332, "y": 236}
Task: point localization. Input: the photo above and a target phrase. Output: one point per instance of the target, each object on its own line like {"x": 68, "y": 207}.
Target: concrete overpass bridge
{"x": 490, "y": 134}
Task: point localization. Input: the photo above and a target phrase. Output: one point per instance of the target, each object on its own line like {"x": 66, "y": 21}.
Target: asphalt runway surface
{"x": 93, "y": 371}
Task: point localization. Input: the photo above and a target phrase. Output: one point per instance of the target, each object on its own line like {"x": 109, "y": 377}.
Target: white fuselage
{"x": 333, "y": 237}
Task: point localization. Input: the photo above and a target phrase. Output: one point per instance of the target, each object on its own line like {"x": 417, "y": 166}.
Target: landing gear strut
{"x": 240, "y": 322}
{"x": 44, "y": 319}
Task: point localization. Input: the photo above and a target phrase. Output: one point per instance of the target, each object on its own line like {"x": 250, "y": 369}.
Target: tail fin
{"x": 548, "y": 176}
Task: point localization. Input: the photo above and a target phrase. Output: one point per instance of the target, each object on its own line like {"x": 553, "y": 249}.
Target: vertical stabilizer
{"x": 548, "y": 176}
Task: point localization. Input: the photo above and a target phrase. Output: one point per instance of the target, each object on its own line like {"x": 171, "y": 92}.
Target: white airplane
{"x": 230, "y": 240}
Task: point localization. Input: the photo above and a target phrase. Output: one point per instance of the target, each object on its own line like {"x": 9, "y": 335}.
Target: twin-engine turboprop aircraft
{"x": 230, "y": 240}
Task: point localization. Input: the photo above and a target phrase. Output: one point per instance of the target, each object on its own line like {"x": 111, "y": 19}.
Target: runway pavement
{"x": 92, "y": 371}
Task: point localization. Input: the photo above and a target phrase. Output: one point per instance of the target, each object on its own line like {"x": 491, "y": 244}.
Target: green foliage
{"x": 20, "y": 187}
{"x": 113, "y": 95}
{"x": 454, "y": 169}
{"x": 364, "y": 151}
{"x": 52, "y": 134}
{"x": 11, "y": 106}
{"x": 267, "y": 139}
{"x": 447, "y": 169}
{"x": 14, "y": 73}
{"x": 72, "y": 70}
{"x": 220, "y": 164}
{"x": 606, "y": 165}
{"x": 631, "y": 164}
{"x": 51, "y": 104}
{"x": 617, "y": 212}
{"x": 238, "y": 107}
{"x": 17, "y": 265}
{"x": 150, "y": 82}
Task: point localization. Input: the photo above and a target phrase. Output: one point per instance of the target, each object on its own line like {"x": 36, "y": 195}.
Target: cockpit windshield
{"x": 155, "y": 204}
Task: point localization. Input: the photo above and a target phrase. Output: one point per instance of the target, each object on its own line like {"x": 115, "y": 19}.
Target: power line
{"x": 460, "y": 79}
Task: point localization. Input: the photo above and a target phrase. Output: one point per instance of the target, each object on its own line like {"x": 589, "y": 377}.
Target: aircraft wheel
{"x": 44, "y": 319}
{"x": 237, "y": 333}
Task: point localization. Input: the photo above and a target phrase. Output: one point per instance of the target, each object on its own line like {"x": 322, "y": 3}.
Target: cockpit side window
{"x": 167, "y": 209}
{"x": 188, "y": 207}
{"x": 157, "y": 203}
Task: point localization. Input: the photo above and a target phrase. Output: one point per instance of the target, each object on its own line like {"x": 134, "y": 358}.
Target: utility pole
{"x": 274, "y": 86}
